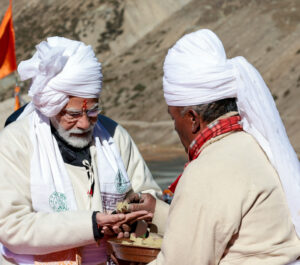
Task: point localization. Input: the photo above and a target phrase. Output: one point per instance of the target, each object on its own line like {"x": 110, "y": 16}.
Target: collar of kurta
{"x": 214, "y": 129}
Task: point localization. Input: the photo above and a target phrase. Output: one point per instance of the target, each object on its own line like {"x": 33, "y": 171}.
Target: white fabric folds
{"x": 196, "y": 71}
{"x": 60, "y": 68}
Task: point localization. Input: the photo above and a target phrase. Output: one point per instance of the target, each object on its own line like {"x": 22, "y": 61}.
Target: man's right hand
{"x": 141, "y": 201}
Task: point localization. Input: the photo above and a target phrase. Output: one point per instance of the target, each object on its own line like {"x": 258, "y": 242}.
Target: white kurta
{"x": 229, "y": 209}
{"x": 24, "y": 231}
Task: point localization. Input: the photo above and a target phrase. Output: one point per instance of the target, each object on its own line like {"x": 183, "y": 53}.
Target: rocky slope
{"x": 131, "y": 38}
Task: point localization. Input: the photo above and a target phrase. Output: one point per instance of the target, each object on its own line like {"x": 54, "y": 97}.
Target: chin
{"x": 79, "y": 142}
{"x": 83, "y": 139}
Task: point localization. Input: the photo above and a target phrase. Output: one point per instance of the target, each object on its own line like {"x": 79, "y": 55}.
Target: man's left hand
{"x": 122, "y": 228}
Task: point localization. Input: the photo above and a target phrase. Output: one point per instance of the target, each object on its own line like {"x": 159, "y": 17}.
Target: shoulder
{"x": 234, "y": 162}
{"x": 117, "y": 131}
{"x": 16, "y": 137}
{"x": 14, "y": 116}
{"x": 19, "y": 128}
{"x": 236, "y": 150}
{"x": 109, "y": 124}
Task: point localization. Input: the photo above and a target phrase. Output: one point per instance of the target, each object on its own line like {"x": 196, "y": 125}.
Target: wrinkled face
{"x": 182, "y": 125}
{"x": 76, "y": 121}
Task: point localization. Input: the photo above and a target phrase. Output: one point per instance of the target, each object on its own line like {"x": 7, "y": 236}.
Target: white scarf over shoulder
{"x": 196, "y": 71}
{"x": 61, "y": 68}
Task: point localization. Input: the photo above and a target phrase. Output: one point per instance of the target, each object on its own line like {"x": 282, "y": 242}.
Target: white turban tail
{"x": 60, "y": 68}
{"x": 196, "y": 71}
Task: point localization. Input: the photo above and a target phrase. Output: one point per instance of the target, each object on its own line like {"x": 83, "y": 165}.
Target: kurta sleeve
{"x": 160, "y": 216}
{"x": 205, "y": 214}
{"x": 22, "y": 230}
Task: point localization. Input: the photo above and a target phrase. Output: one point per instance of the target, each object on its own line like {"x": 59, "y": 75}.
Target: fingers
{"x": 133, "y": 198}
{"x": 119, "y": 224}
{"x": 134, "y": 215}
{"x": 120, "y": 235}
{"x": 126, "y": 227}
{"x": 120, "y": 231}
{"x": 147, "y": 202}
{"x": 117, "y": 229}
{"x": 133, "y": 207}
{"x": 148, "y": 217}
{"x": 108, "y": 219}
{"x": 107, "y": 231}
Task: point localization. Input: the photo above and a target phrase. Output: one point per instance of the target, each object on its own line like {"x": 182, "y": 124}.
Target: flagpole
{"x": 17, "y": 94}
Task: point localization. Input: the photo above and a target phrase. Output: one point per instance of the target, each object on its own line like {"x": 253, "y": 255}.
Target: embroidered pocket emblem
{"x": 58, "y": 202}
{"x": 121, "y": 184}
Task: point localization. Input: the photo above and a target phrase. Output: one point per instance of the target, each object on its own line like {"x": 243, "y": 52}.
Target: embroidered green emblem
{"x": 121, "y": 184}
{"x": 58, "y": 202}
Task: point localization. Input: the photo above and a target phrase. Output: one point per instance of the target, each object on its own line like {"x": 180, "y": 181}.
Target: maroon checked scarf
{"x": 213, "y": 129}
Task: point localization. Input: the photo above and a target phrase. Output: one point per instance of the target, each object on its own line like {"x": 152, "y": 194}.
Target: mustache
{"x": 80, "y": 131}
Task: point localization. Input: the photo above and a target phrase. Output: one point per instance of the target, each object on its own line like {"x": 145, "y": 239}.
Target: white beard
{"x": 77, "y": 142}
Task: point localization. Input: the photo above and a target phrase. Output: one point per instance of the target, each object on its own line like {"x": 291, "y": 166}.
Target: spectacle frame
{"x": 73, "y": 116}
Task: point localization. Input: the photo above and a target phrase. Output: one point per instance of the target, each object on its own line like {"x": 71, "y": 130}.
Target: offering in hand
{"x": 122, "y": 207}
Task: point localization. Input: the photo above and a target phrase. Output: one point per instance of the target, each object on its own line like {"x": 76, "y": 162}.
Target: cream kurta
{"x": 24, "y": 231}
{"x": 229, "y": 209}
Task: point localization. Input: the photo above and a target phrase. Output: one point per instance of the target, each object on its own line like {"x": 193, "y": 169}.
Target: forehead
{"x": 79, "y": 103}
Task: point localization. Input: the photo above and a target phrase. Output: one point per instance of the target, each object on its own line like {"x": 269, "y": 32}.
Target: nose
{"x": 83, "y": 123}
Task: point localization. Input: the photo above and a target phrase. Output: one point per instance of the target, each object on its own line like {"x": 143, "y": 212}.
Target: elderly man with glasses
{"x": 63, "y": 166}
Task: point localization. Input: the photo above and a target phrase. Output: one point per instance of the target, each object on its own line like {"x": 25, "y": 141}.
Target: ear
{"x": 195, "y": 120}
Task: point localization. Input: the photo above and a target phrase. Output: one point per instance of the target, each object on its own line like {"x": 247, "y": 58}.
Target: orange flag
{"x": 8, "y": 62}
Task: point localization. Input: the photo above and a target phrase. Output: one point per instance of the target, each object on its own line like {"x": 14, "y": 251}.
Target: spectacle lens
{"x": 93, "y": 113}
{"x": 73, "y": 116}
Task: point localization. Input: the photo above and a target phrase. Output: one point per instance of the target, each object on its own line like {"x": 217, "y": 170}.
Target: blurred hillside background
{"x": 131, "y": 39}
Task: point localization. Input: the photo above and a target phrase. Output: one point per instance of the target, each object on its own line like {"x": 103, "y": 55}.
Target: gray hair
{"x": 211, "y": 111}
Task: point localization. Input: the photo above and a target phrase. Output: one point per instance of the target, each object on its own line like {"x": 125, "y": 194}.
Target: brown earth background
{"x": 131, "y": 39}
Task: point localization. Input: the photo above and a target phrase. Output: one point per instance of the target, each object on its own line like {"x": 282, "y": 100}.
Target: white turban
{"x": 196, "y": 71}
{"x": 60, "y": 68}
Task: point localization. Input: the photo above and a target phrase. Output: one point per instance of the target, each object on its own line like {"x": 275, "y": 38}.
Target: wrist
{"x": 96, "y": 227}
{"x": 154, "y": 207}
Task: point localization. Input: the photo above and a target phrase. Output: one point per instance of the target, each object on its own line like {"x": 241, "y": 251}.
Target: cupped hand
{"x": 109, "y": 220}
{"x": 122, "y": 228}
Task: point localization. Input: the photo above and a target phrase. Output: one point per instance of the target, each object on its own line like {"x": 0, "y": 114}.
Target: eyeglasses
{"x": 72, "y": 115}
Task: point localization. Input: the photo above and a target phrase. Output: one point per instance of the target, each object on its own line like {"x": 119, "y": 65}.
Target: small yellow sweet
{"x": 122, "y": 207}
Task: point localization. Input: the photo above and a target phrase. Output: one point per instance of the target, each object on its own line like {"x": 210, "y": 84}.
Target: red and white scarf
{"x": 214, "y": 129}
